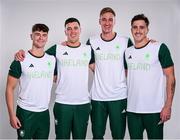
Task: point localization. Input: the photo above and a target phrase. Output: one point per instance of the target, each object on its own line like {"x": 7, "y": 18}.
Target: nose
{"x": 138, "y": 30}
{"x": 107, "y": 22}
{"x": 41, "y": 37}
{"x": 73, "y": 30}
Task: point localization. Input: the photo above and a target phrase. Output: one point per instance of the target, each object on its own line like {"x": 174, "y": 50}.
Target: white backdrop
{"x": 18, "y": 16}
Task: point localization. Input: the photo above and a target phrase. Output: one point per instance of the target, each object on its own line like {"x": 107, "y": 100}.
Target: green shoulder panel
{"x": 92, "y": 57}
{"x": 52, "y": 50}
{"x": 130, "y": 43}
{"x": 125, "y": 63}
{"x": 92, "y": 60}
{"x": 88, "y": 42}
{"x": 165, "y": 56}
{"x": 15, "y": 69}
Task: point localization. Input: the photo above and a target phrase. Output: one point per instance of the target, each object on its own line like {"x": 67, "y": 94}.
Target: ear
{"x": 65, "y": 32}
{"x": 31, "y": 36}
{"x": 114, "y": 20}
{"x": 99, "y": 21}
{"x": 147, "y": 31}
{"x": 131, "y": 30}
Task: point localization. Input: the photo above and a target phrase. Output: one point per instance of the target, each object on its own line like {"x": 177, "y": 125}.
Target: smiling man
{"x": 149, "y": 99}
{"x": 72, "y": 105}
{"x": 35, "y": 78}
{"x": 109, "y": 90}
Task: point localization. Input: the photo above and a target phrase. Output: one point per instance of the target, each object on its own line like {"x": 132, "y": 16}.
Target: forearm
{"x": 55, "y": 79}
{"x": 170, "y": 89}
{"x": 10, "y": 87}
{"x": 92, "y": 66}
{"x": 10, "y": 102}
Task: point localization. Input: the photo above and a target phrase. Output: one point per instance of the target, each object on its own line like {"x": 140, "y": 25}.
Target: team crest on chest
{"x": 22, "y": 133}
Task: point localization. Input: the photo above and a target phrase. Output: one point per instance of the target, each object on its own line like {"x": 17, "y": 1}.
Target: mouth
{"x": 41, "y": 42}
{"x": 138, "y": 35}
{"x": 107, "y": 27}
{"x": 73, "y": 36}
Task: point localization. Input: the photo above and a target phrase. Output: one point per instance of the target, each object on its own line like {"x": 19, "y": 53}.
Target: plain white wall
{"x": 1, "y": 91}
{"x": 18, "y": 16}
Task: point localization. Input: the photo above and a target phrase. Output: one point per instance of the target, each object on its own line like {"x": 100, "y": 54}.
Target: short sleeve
{"x": 165, "y": 56}
{"x": 15, "y": 69}
{"x": 52, "y": 50}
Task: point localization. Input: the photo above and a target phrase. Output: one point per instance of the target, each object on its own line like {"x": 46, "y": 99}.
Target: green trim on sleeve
{"x": 15, "y": 69}
{"x": 88, "y": 42}
{"x": 52, "y": 50}
{"x": 55, "y": 69}
{"x": 125, "y": 63}
{"x": 130, "y": 43}
{"x": 92, "y": 52}
{"x": 92, "y": 57}
{"x": 165, "y": 56}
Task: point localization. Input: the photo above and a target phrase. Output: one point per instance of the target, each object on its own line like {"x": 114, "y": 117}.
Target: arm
{"x": 92, "y": 61}
{"x": 11, "y": 84}
{"x": 92, "y": 66}
{"x": 125, "y": 65}
{"x": 64, "y": 43}
{"x": 170, "y": 88}
{"x": 55, "y": 78}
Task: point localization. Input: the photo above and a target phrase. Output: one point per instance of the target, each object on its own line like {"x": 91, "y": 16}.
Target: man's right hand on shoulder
{"x": 20, "y": 55}
{"x": 64, "y": 43}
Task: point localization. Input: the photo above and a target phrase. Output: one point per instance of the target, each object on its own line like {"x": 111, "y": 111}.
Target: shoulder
{"x": 49, "y": 56}
{"x": 15, "y": 63}
{"x": 85, "y": 47}
{"x": 157, "y": 43}
{"x": 57, "y": 46}
{"x": 94, "y": 38}
{"x": 163, "y": 48}
{"x": 131, "y": 48}
{"x": 122, "y": 38}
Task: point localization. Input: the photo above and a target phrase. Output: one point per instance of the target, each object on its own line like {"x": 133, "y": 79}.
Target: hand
{"x": 153, "y": 41}
{"x": 15, "y": 123}
{"x": 64, "y": 43}
{"x": 20, "y": 55}
{"x": 165, "y": 114}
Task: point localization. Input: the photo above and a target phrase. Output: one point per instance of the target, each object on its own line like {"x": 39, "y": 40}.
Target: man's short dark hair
{"x": 40, "y": 27}
{"x": 107, "y": 10}
{"x": 140, "y": 17}
{"x": 72, "y": 19}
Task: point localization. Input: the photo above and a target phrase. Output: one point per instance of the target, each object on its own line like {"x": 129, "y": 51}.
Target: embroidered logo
{"x": 49, "y": 63}
{"x": 84, "y": 54}
{"x": 98, "y": 48}
{"x": 65, "y": 53}
{"x": 124, "y": 111}
{"x": 56, "y": 122}
{"x": 22, "y": 133}
{"x": 130, "y": 57}
{"x": 31, "y": 66}
{"x": 117, "y": 46}
{"x": 147, "y": 56}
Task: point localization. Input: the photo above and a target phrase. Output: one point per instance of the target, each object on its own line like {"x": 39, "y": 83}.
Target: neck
{"x": 73, "y": 44}
{"x": 108, "y": 36}
{"x": 139, "y": 44}
{"x": 37, "y": 51}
